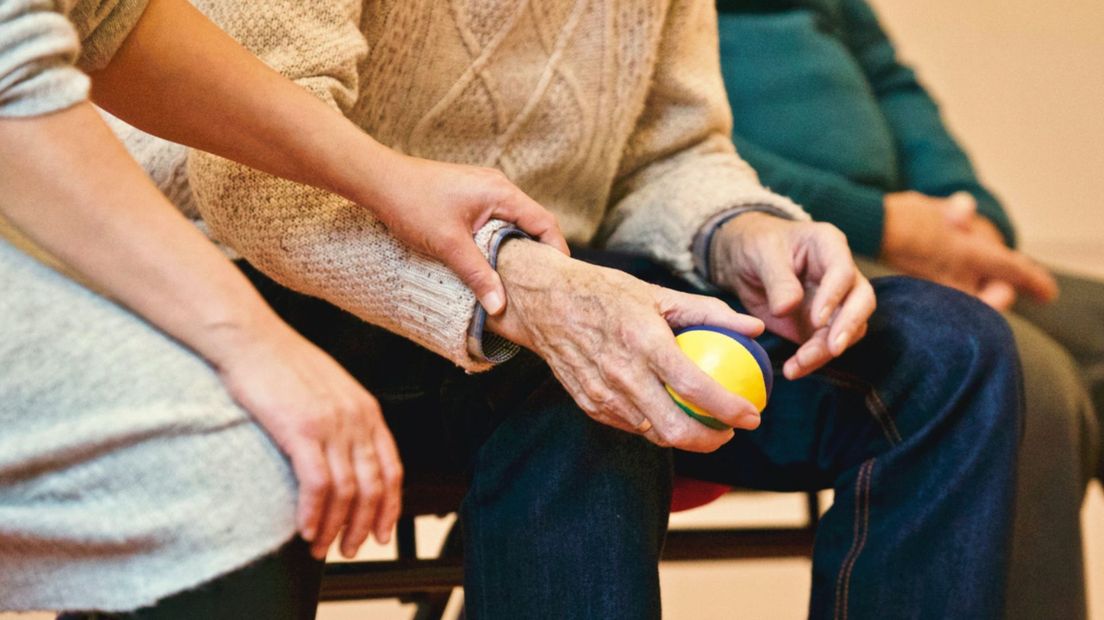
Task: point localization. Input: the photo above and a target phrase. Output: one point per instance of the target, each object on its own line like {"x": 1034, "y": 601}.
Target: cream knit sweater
{"x": 612, "y": 114}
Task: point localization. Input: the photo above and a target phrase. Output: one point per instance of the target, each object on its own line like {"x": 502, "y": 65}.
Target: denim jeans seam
{"x": 862, "y": 523}
{"x": 874, "y": 404}
{"x": 878, "y": 408}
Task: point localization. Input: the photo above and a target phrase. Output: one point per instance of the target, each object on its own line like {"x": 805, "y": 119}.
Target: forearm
{"x": 70, "y": 186}
{"x": 177, "y": 70}
{"x": 320, "y": 244}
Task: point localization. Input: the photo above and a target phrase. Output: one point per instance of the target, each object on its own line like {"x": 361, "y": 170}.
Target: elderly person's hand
{"x": 944, "y": 240}
{"x": 331, "y": 428}
{"x": 607, "y": 337}
{"x": 800, "y": 278}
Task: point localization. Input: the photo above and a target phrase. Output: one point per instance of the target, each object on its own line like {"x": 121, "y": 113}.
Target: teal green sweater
{"x": 828, "y": 116}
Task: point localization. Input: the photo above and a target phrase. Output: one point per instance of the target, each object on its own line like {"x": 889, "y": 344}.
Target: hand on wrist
{"x": 526, "y": 268}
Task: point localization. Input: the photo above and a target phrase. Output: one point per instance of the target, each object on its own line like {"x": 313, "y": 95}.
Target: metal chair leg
{"x": 432, "y": 606}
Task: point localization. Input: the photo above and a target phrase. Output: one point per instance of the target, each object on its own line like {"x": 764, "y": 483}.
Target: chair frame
{"x": 429, "y": 582}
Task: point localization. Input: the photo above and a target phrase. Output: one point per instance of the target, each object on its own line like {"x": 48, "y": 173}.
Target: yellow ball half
{"x": 735, "y": 361}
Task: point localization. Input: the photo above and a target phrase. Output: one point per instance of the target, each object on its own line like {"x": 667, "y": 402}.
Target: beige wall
{"x": 1022, "y": 85}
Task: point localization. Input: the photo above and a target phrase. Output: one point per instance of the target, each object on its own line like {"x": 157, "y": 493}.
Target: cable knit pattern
{"x": 611, "y": 114}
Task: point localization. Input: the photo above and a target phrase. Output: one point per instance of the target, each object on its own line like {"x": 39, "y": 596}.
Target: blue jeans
{"x": 916, "y": 428}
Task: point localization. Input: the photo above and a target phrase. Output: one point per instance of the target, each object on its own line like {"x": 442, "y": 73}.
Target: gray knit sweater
{"x": 126, "y": 472}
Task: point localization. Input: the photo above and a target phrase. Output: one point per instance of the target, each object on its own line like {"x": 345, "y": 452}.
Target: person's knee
{"x": 943, "y": 323}
{"x": 960, "y": 354}
{"x": 1061, "y": 424}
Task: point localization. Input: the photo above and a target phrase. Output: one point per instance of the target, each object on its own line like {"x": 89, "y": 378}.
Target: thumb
{"x": 472, "y": 268}
{"x": 959, "y": 209}
{"x": 997, "y": 294}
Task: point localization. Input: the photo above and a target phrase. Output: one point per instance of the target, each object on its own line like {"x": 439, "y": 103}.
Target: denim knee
{"x": 954, "y": 343}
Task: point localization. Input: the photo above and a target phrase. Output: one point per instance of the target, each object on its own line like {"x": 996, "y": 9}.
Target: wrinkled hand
{"x": 944, "y": 240}
{"x": 330, "y": 427}
{"x": 607, "y": 337}
{"x": 800, "y": 278}
{"x": 434, "y": 207}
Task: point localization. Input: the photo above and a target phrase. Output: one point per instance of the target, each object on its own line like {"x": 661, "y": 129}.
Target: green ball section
{"x": 709, "y": 421}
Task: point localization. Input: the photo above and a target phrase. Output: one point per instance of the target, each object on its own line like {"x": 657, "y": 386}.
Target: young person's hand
{"x": 172, "y": 86}
{"x": 343, "y": 455}
{"x": 109, "y": 224}
{"x": 435, "y": 207}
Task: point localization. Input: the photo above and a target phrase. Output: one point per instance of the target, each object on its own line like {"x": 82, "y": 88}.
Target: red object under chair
{"x": 690, "y": 493}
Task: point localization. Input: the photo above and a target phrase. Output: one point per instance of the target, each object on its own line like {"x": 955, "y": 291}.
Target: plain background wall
{"x": 1021, "y": 84}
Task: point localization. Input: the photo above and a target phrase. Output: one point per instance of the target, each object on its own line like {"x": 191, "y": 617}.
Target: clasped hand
{"x": 945, "y": 240}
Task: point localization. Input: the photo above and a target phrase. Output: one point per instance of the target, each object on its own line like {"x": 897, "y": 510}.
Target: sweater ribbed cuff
{"x": 483, "y": 345}
{"x": 48, "y": 91}
{"x": 703, "y": 240}
{"x": 103, "y": 27}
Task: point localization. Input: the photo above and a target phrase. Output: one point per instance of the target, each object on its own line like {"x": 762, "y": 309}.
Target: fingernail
{"x": 825, "y": 314}
{"x": 493, "y": 302}
{"x": 840, "y": 343}
{"x": 308, "y": 534}
{"x": 790, "y": 369}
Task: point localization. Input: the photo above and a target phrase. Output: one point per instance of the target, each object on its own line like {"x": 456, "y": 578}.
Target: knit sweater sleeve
{"x": 42, "y": 42}
{"x": 308, "y": 239}
{"x": 680, "y": 168}
{"x": 932, "y": 162}
{"x": 38, "y": 48}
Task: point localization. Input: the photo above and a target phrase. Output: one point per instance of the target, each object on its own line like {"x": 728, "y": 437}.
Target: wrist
{"x": 527, "y": 268}
{"x": 726, "y": 243}
{"x": 363, "y": 170}
{"x": 914, "y": 226}
{"x": 223, "y": 338}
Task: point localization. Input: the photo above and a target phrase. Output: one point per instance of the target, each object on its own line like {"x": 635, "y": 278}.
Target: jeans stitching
{"x": 874, "y": 404}
{"x": 878, "y": 407}
{"x": 866, "y": 531}
{"x": 862, "y": 515}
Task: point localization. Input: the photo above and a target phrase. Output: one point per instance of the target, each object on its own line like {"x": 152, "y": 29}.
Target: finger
{"x": 693, "y": 385}
{"x": 852, "y": 315}
{"x": 997, "y": 294}
{"x": 528, "y": 215}
{"x": 810, "y": 356}
{"x": 1018, "y": 270}
{"x": 837, "y": 284}
{"x": 313, "y": 476}
{"x": 472, "y": 268}
{"x": 391, "y": 472}
{"x": 959, "y": 209}
{"x": 781, "y": 285}
{"x": 369, "y": 489}
{"x": 339, "y": 458}
{"x": 645, "y": 385}
{"x": 671, "y": 426}
{"x": 686, "y": 310}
